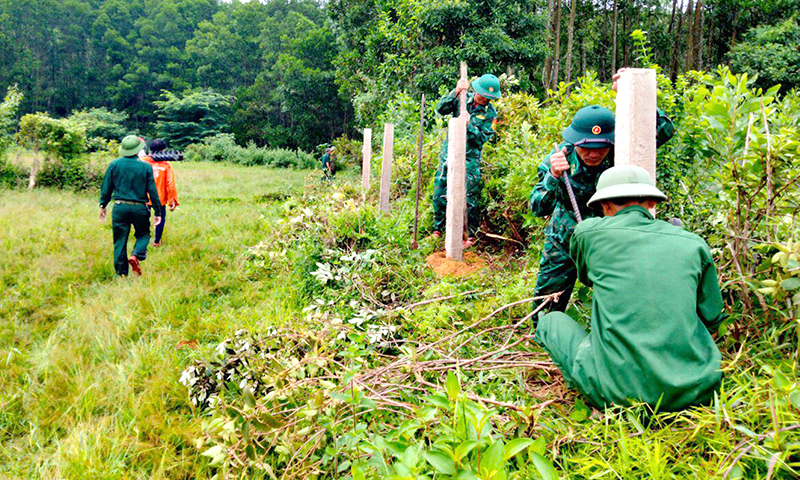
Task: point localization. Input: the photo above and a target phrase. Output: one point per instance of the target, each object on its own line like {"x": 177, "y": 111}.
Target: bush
{"x": 100, "y": 124}
{"x": 58, "y": 138}
{"x": 81, "y": 173}
{"x": 10, "y": 175}
{"x": 223, "y": 148}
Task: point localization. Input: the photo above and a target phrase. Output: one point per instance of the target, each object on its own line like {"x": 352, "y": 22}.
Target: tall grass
{"x": 89, "y": 362}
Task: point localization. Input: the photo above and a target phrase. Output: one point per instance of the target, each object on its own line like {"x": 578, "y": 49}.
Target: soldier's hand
{"x": 559, "y": 163}
{"x": 102, "y": 214}
{"x": 156, "y": 221}
{"x": 616, "y": 76}
{"x": 461, "y": 86}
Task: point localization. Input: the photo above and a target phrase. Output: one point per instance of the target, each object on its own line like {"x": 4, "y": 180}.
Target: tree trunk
{"x": 556, "y": 51}
{"x": 34, "y": 169}
{"x": 733, "y": 27}
{"x": 688, "y": 63}
{"x": 548, "y": 61}
{"x": 710, "y": 42}
{"x": 697, "y": 55}
{"x": 570, "y": 35}
{"x": 673, "y": 72}
{"x": 614, "y": 39}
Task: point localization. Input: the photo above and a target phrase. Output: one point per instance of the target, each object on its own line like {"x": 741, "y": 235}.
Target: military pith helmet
{"x": 130, "y": 146}
{"x": 487, "y": 86}
{"x": 592, "y": 127}
{"x": 626, "y": 181}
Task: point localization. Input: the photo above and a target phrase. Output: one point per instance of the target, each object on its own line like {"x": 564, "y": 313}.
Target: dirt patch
{"x": 445, "y": 267}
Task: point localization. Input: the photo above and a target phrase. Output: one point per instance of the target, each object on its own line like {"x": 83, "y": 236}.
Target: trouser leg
{"x": 140, "y": 218}
{"x": 440, "y": 196}
{"x": 160, "y": 226}
{"x": 473, "y": 196}
{"x": 560, "y": 336}
{"x": 557, "y": 273}
{"x": 121, "y": 228}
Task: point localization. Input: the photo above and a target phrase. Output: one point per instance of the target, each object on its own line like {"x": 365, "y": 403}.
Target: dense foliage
{"x": 298, "y": 71}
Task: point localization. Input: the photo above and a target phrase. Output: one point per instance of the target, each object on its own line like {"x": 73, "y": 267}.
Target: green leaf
{"x": 580, "y": 412}
{"x": 249, "y": 398}
{"x": 539, "y": 446}
{"x": 438, "y": 401}
{"x": 453, "y": 386}
{"x": 357, "y": 473}
{"x": 213, "y": 451}
{"x": 792, "y": 283}
{"x": 492, "y": 460}
{"x": 441, "y": 462}
{"x": 515, "y": 446}
{"x": 464, "y": 449}
{"x": 544, "y": 467}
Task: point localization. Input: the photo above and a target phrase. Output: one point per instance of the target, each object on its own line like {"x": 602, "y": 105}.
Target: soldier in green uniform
{"x": 586, "y": 152}
{"x": 650, "y": 338}
{"x": 328, "y": 167}
{"x": 480, "y": 129}
{"x": 130, "y": 183}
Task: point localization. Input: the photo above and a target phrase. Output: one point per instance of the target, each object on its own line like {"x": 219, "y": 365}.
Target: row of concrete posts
{"x": 635, "y": 143}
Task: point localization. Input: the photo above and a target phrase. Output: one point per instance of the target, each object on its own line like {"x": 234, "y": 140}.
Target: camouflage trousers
{"x": 557, "y": 272}
{"x": 473, "y": 195}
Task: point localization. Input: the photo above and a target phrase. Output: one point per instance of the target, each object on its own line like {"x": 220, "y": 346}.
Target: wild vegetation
{"x": 287, "y": 329}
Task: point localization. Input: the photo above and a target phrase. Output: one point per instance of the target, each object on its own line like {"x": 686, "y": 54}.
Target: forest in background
{"x": 298, "y": 73}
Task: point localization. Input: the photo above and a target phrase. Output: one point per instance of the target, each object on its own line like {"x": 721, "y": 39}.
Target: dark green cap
{"x": 592, "y": 127}
{"x": 487, "y": 86}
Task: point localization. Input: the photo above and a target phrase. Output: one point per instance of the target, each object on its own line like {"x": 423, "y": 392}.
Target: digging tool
{"x": 414, "y": 244}
{"x": 571, "y": 194}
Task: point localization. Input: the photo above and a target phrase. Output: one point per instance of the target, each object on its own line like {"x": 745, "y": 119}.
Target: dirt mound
{"x": 445, "y": 267}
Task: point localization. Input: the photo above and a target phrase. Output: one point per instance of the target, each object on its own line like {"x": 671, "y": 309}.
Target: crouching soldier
{"x": 656, "y": 304}
{"x": 129, "y": 181}
{"x": 586, "y": 152}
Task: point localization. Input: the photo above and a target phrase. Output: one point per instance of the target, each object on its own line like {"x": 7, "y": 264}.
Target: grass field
{"x": 88, "y": 382}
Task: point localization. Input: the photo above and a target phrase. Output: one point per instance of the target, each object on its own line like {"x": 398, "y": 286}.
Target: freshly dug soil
{"x": 445, "y": 267}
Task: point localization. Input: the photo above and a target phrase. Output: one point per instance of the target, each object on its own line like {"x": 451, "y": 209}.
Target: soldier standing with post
{"x": 586, "y": 152}
{"x": 480, "y": 129}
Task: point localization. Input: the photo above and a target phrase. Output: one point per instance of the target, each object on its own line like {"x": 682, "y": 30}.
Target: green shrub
{"x": 77, "y": 173}
{"x": 191, "y": 118}
{"x": 101, "y": 125}
{"x": 223, "y": 148}
{"x": 10, "y": 175}
{"x": 57, "y": 138}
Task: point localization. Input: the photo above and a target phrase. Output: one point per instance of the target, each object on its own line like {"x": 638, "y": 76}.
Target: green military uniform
{"x": 656, "y": 301}
{"x": 549, "y": 197}
{"x": 129, "y": 181}
{"x": 327, "y": 167}
{"x": 480, "y": 130}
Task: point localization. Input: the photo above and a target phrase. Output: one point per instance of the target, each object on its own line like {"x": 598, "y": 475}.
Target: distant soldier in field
{"x": 480, "y": 129}
{"x": 130, "y": 183}
{"x": 328, "y": 164}
{"x": 165, "y": 184}
{"x": 656, "y": 304}
{"x": 586, "y": 152}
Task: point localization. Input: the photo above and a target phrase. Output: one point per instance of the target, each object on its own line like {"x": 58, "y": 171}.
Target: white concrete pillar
{"x": 386, "y": 166}
{"x": 457, "y": 179}
{"x": 456, "y": 188}
{"x": 635, "y": 131}
{"x": 366, "y": 160}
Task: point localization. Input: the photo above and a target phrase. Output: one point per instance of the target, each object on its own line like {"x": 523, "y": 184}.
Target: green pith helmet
{"x": 592, "y": 127}
{"x": 487, "y": 86}
{"x": 131, "y": 145}
{"x": 625, "y": 181}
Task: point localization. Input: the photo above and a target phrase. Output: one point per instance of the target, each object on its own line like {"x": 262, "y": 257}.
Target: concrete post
{"x": 366, "y": 160}
{"x": 457, "y": 179}
{"x": 386, "y": 166}
{"x": 635, "y": 131}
